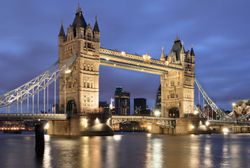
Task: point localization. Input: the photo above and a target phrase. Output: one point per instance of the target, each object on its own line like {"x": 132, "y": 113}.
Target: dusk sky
{"x": 219, "y": 31}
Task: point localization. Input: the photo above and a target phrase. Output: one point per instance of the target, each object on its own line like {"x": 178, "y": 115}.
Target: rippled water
{"x": 128, "y": 150}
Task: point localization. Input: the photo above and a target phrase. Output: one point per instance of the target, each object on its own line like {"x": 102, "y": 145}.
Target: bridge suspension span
{"x": 27, "y": 98}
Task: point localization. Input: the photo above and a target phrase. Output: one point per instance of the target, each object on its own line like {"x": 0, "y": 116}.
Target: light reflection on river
{"x": 128, "y": 150}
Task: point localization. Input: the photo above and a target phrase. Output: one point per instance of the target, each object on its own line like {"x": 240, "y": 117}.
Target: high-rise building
{"x": 104, "y": 106}
{"x": 122, "y": 102}
{"x": 140, "y": 106}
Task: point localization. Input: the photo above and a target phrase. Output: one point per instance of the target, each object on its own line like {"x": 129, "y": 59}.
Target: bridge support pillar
{"x": 186, "y": 125}
{"x": 69, "y": 127}
{"x": 155, "y": 129}
{"x": 39, "y": 137}
{"x": 94, "y": 124}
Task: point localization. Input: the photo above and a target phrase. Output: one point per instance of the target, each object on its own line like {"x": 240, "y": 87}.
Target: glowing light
{"x": 146, "y": 57}
{"x": 84, "y": 122}
{"x": 157, "y": 113}
{"x": 46, "y": 137}
{"x": 46, "y": 126}
{"x": 107, "y": 59}
{"x": 97, "y": 121}
{"x": 225, "y": 130}
{"x": 149, "y": 135}
{"x": 233, "y": 104}
{"x": 111, "y": 105}
{"x": 10, "y": 101}
{"x": 192, "y": 127}
{"x": 166, "y": 62}
{"x": 196, "y": 112}
{"x": 149, "y": 127}
{"x": 67, "y": 71}
{"x": 117, "y": 137}
{"x": 207, "y": 123}
{"x": 114, "y": 64}
{"x": 123, "y": 53}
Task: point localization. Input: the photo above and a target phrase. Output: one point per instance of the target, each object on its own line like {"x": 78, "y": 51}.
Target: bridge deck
{"x": 134, "y": 62}
{"x": 28, "y": 116}
{"x": 235, "y": 122}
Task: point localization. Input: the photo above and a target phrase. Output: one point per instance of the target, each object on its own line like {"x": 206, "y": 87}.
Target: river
{"x": 128, "y": 150}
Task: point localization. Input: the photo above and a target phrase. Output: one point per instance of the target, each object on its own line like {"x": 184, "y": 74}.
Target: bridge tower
{"x": 177, "y": 87}
{"x": 79, "y": 85}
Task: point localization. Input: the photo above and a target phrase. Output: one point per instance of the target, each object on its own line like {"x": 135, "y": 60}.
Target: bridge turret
{"x": 177, "y": 53}
{"x": 96, "y": 31}
{"x": 61, "y": 40}
{"x": 79, "y": 23}
{"x": 163, "y": 56}
{"x": 61, "y": 34}
{"x": 192, "y": 55}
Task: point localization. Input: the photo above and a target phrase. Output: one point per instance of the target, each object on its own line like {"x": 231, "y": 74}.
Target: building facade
{"x": 140, "y": 106}
{"x": 177, "y": 87}
{"x": 158, "y": 99}
{"x": 122, "y": 102}
{"x": 79, "y": 86}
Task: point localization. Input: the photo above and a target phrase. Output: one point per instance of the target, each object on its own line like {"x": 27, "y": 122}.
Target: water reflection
{"x": 47, "y": 155}
{"x": 128, "y": 150}
{"x": 154, "y": 153}
{"x": 194, "y": 151}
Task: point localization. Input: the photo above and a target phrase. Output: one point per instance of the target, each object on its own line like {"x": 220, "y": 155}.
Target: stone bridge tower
{"x": 79, "y": 85}
{"x": 177, "y": 87}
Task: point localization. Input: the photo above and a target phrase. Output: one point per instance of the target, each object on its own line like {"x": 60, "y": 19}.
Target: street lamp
{"x": 157, "y": 113}
{"x": 196, "y": 112}
{"x": 233, "y": 104}
{"x": 67, "y": 71}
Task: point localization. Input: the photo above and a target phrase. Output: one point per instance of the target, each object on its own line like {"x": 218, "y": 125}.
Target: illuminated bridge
{"x": 71, "y": 85}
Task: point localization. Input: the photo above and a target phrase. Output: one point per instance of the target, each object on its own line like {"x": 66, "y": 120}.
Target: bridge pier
{"x": 69, "y": 127}
{"x": 92, "y": 124}
{"x": 39, "y": 138}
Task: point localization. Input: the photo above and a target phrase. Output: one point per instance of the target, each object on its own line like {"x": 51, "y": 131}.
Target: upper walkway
{"x": 135, "y": 62}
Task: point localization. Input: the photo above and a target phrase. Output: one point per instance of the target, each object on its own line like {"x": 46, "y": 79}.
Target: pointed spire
{"x": 78, "y": 9}
{"x": 79, "y": 20}
{"x": 177, "y": 38}
{"x": 61, "y": 32}
{"x": 162, "y": 55}
{"x": 192, "y": 52}
{"x": 96, "y": 27}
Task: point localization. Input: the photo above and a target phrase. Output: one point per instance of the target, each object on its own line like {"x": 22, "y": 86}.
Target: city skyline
{"x": 30, "y": 48}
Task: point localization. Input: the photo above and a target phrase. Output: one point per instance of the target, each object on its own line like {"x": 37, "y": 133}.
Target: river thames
{"x": 128, "y": 150}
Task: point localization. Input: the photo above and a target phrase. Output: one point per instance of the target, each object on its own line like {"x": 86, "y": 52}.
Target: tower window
{"x": 89, "y": 36}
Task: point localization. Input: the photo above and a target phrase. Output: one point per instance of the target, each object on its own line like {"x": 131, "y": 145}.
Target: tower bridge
{"x": 77, "y": 73}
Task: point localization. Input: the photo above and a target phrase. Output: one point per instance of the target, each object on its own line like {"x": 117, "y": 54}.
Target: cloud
{"x": 218, "y": 30}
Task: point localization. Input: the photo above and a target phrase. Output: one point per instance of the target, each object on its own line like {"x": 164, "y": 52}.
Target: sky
{"x": 217, "y": 29}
